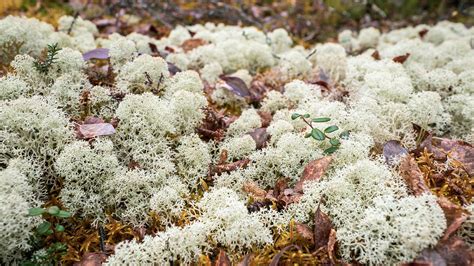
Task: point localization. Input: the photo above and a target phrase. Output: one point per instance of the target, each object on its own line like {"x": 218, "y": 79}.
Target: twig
{"x": 73, "y": 22}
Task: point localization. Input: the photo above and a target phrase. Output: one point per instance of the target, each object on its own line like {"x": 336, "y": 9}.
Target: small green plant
{"x": 51, "y": 252}
{"x": 43, "y": 65}
{"x": 322, "y": 135}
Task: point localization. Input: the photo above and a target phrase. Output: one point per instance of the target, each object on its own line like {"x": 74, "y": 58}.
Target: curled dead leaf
{"x": 322, "y": 229}
{"x": 453, "y": 251}
{"x": 88, "y": 131}
{"x": 375, "y": 55}
{"x": 401, "y": 58}
{"x": 222, "y": 259}
{"x": 235, "y": 85}
{"x": 332, "y": 247}
{"x": 412, "y": 175}
{"x": 455, "y": 216}
{"x": 254, "y": 190}
{"x": 191, "y": 44}
{"x": 313, "y": 171}
{"x": 392, "y": 150}
{"x": 305, "y": 232}
{"x": 260, "y": 136}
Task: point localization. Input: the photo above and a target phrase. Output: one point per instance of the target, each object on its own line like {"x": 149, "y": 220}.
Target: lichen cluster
{"x": 157, "y": 167}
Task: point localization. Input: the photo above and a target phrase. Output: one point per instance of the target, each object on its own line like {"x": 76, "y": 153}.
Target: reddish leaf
{"x": 260, "y": 136}
{"x": 454, "y": 214}
{"x": 254, "y": 190}
{"x": 278, "y": 256}
{"x": 322, "y": 229}
{"x": 225, "y": 168}
{"x": 191, "y": 44}
{"x": 93, "y": 120}
{"x": 401, "y": 58}
{"x": 223, "y": 259}
{"x": 392, "y": 150}
{"x": 235, "y": 85}
{"x": 313, "y": 171}
{"x": 412, "y": 175}
{"x": 453, "y": 251}
{"x": 266, "y": 118}
{"x": 422, "y": 33}
{"x": 332, "y": 247}
{"x": 92, "y": 259}
{"x": 246, "y": 260}
{"x": 376, "y": 55}
{"x": 458, "y": 150}
{"x": 280, "y": 186}
{"x": 98, "y": 53}
{"x": 305, "y": 231}
{"x": 89, "y": 131}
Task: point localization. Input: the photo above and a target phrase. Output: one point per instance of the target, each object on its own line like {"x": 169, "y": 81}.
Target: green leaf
{"x": 59, "y": 228}
{"x": 306, "y": 116}
{"x": 330, "y": 129}
{"x": 63, "y": 214}
{"x": 43, "y": 228}
{"x": 317, "y": 134}
{"x": 53, "y": 210}
{"x": 321, "y": 119}
{"x": 307, "y": 135}
{"x": 35, "y": 211}
{"x": 49, "y": 232}
{"x": 295, "y": 116}
{"x": 334, "y": 142}
{"x": 344, "y": 134}
{"x": 331, "y": 150}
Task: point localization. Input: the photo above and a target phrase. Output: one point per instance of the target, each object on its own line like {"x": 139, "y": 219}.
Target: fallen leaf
{"x": 305, "y": 231}
{"x": 254, "y": 190}
{"x": 313, "y": 171}
{"x": 375, "y": 55}
{"x": 93, "y": 120}
{"x": 266, "y": 118}
{"x": 278, "y": 256}
{"x": 401, "y": 58}
{"x": 422, "y": 33}
{"x": 191, "y": 44}
{"x": 229, "y": 167}
{"x": 89, "y": 131}
{"x": 246, "y": 260}
{"x": 222, "y": 259}
{"x": 92, "y": 259}
{"x": 98, "y": 53}
{"x": 260, "y": 136}
{"x": 322, "y": 229}
{"x": 412, "y": 175}
{"x": 332, "y": 247}
{"x": 458, "y": 150}
{"x": 172, "y": 68}
{"x": 235, "y": 85}
{"x": 280, "y": 185}
{"x": 392, "y": 150}
{"x": 453, "y": 251}
{"x": 455, "y": 216}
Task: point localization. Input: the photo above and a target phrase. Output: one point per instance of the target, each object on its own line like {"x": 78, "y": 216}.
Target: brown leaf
{"x": 254, "y": 190}
{"x": 260, "y": 136}
{"x": 456, "y": 149}
{"x": 93, "y": 120}
{"x": 191, "y": 44}
{"x": 376, "y": 55}
{"x": 172, "y": 68}
{"x": 223, "y": 157}
{"x": 98, "y": 53}
{"x": 455, "y": 216}
{"x": 305, "y": 231}
{"x": 392, "y": 150}
{"x": 332, "y": 247}
{"x": 401, "y": 58}
{"x": 412, "y": 175}
{"x": 222, "y": 259}
{"x": 422, "y": 32}
{"x": 322, "y": 229}
{"x": 266, "y": 118}
{"x": 235, "y": 85}
{"x": 229, "y": 167}
{"x": 89, "y": 131}
{"x": 278, "y": 256}
{"x": 246, "y": 261}
{"x": 453, "y": 251}
{"x": 280, "y": 186}
{"x": 313, "y": 171}
{"x": 92, "y": 259}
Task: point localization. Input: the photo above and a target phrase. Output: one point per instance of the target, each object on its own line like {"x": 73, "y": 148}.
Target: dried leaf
{"x": 173, "y": 69}
{"x": 89, "y": 131}
{"x": 225, "y": 168}
{"x": 92, "y": 259}
{"x": 266, "y": 117}
{"x": 453, "y": 251}
{"x": 313, "y": 171}
{"x": 332, "y": 247}
{"x": 422, "y": 32}
{"x": 98, "y": 53}
{"x": 305, "y": 232}
{"x": 280, "y": 186}
{"x": 254, "y": 190}
{"x": 401, "y": 58}
{"x": 278, "y": 256}
{"x": 376, "y": 55}
{"x": 235, "y": 85}
{"x": 222, "y": 259}
{"x": 93, "y": 120}
{"x": 412, "y": 175}
{"x": 322, "y": 229}
{"x": 191, "y": 44}
{"x": 455, "y": 216}
{"x": 246, "y": 260}
{"x": 392, "y": 150}
{"x": 458, "y": 150}
{"x": 260, "y": 136}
